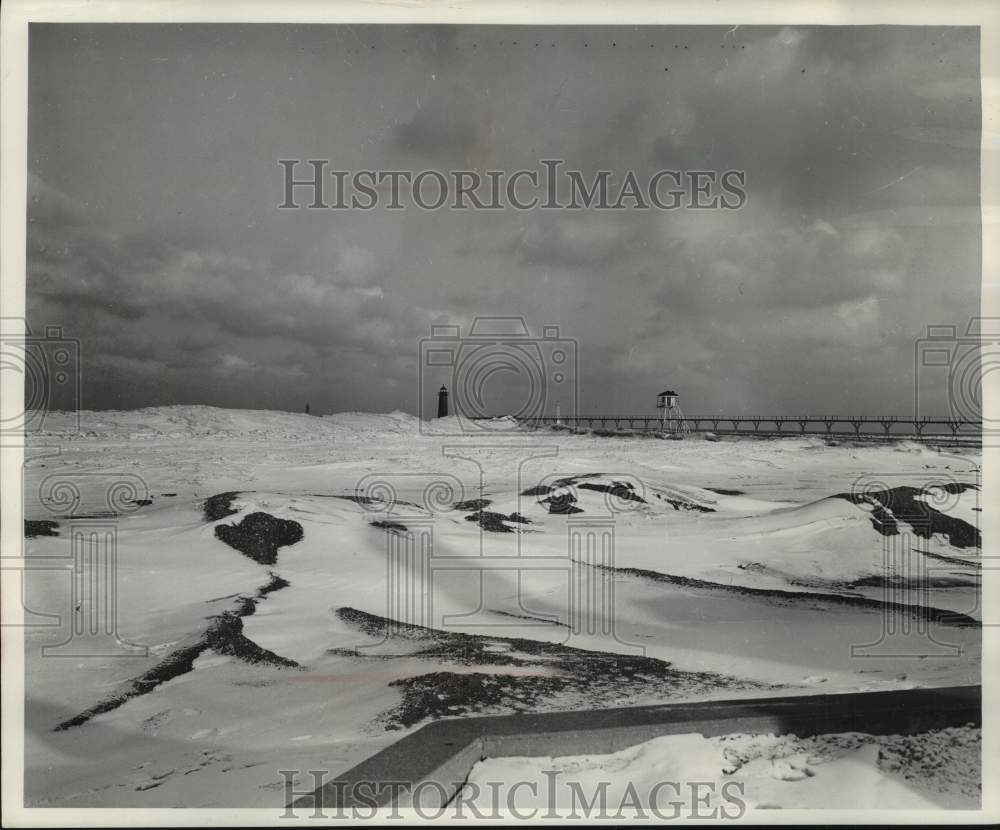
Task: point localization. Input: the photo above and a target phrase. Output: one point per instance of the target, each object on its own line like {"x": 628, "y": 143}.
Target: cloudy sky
{"x": 154, "y": 235}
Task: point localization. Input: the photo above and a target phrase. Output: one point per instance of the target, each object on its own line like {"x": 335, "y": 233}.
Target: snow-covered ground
{"x": 693, "y": 776}
{"x": 601, "y": 572}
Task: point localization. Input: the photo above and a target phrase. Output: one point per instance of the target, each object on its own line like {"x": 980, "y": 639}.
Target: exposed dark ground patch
{"x": 568, "y": 481}
{"x": 618, "y": 489}
{"x": 219, "y": 506}
{"x": 275, "y": 584}
{"x": 883, "y": 521}
{"x": 899, "y": 504}
{"x": 259, "y": 535}
{"x": 472, "y": 504}
{"x": 951, "y": 560}
{"x": 565, "y": 503}
{"x": 392, "y": 527}
{"x": 176, "y": 663}
{"x": 723, "y": 491}
{"x": 40, "y": 527}
{"x": 531, "y": 618}
{"x": 548, "y": 669}
{"x": 168, "y": 495}
{"x": 496, "y": 522}
{"x": 538, "y": 490}
{"x": 493, "y": 522}
{"x": 141, "y": 502}
{"x": 224, "y": 635}
{"x": 895, "y": 581}
{"x": 938, "y": 615}
{"x": 365, "y": 501}
{"x": 957, "y": 487}
{"x": 561, "y": 504}
{"x": 684, "y": 504}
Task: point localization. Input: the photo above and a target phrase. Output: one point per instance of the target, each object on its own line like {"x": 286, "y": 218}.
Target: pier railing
{"x": 857, "y": 425}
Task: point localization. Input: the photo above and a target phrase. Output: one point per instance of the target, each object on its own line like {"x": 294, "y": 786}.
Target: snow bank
{"x": 213, "y": 422}
{"x": 735, "y": 772}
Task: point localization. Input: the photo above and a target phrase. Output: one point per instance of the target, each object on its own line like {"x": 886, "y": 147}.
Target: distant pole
{"x": 443, "y": 402}
{"x": 307, "y": 409}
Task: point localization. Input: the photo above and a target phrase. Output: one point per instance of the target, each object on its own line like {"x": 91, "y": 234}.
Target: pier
{"x": 858, "y": 426}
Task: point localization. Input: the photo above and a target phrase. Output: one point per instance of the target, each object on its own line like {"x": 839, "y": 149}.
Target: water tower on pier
{"x": 671, "y": 418}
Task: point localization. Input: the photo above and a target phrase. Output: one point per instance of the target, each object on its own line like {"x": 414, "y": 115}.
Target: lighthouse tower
{"x": 443, "y": 402}
{"x": 671, "y": 418}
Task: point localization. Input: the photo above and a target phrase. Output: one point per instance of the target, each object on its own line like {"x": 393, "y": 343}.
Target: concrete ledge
{"x": 435, "y": 761}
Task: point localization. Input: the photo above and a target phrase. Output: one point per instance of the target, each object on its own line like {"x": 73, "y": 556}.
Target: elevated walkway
{"x": 430, "y": 765}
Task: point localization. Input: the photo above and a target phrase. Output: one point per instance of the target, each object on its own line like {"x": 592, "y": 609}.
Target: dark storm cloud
{"x": 157, "y": 308}
{"x": 819, "y": 114}
{"x": 154, "y": 237}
